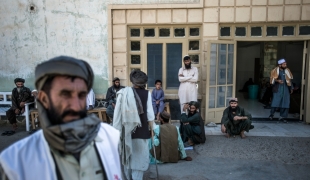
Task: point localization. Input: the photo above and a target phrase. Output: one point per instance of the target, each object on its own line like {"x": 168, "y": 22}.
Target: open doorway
{"x": 255, "y": 59}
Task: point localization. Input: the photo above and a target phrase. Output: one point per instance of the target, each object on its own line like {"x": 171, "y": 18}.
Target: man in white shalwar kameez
{"x": 71, "y": 143}
{"x": 188, "y": 77}
{"x": 132, "y": 116}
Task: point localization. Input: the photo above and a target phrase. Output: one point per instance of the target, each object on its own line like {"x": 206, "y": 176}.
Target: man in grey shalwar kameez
{"x": 132, "y": 116}
{"x": 280, "y": 78}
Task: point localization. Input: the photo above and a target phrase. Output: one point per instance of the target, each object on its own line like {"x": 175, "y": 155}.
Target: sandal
{"x": 10, "y": 133}
{"x": 271, "y": 116}
{"x": 5, "y": 133}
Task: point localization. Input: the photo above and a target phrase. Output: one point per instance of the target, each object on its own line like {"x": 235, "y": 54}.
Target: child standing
{"x": 158, "y": 99}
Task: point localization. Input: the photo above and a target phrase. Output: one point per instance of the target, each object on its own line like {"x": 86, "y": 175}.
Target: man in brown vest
{"x": 168, "y": 142}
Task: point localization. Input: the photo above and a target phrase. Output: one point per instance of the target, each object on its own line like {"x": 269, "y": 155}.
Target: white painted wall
{"x": 245, "y": 62}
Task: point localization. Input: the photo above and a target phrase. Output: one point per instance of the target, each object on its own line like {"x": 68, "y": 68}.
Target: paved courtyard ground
{"x": 261, "y": 155}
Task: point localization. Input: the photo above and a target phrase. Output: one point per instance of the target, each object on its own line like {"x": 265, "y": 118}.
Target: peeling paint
{"x": 37, "y": 30}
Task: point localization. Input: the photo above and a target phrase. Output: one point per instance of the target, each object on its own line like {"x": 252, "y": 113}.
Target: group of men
{"x": 75, "y": 145}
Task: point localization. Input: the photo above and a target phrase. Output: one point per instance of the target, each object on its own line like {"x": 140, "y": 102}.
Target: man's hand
{"x": 181, "y": 75}
{"x": 17, "y": 111}
{"x": 157, "y": 102}
{"x": 185, "y": 107}
{"x": 237, "y": 118}
{"x": 186, "y": 123}
{"x": 113, "y": 105}
{"x": 292, "y": 91}
{"x": 22, "y": 104}
{"x": 223, "y": 128}
{"x": 280, "y": 81}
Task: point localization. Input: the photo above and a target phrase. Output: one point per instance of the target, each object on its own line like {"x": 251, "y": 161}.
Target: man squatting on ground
{"x": 71, "y": 144}
{"x": 235, "y": 120}
{"x": 111, "y": 96}
{"x": 192, "y": 125}
{"x": 20, "y": 96}
{"x": 133, "y": 115}
{"x": 188, "y": 77}
{"x": 282, "y": 87}
{"x": 168, "y": 142}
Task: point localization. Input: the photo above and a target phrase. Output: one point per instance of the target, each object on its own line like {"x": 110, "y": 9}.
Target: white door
{"x": 221, "y": 78}
{"x": 305, "y": 84}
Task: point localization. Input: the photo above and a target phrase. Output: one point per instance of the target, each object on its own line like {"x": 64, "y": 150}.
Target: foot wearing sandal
{"x": 242, "y": 135}
{"x": 227, "y": 135}
{"x": 271, "y": 116}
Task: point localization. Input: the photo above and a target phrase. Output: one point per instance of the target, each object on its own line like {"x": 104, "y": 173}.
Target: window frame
{"x": 163, "y": 40}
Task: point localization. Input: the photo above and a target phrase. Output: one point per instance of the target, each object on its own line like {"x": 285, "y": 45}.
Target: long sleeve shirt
{"x": 157, "y": 142}
{"x": 158, "y": 95}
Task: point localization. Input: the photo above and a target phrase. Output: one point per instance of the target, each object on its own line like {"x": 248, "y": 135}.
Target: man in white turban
{"x": 282, "y": 87}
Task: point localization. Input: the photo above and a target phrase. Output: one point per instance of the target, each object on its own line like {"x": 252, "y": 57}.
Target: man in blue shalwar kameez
{"x": 280, "y": 78}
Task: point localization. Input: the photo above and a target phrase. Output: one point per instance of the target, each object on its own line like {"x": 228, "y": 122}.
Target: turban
{"x": 138, "y": 78}
{"x": 281, "y": 61}
{"x": 194, "y": 103}
{"x": 116, "y": 79}
{"x": 233, "y": 100}
{"x": 63, "y": 66}
{"x": 19, "y": 80}
{"x": 165, "y": 116}
{"x": 186, "y": 57}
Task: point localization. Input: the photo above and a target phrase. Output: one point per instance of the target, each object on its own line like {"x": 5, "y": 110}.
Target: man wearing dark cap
{"x": 111, "y": 96}
{"x": 71, "y": 144}
{"x": 235, "y": 120}
{"x": 192, "y": 125}
{"x": 20, "y": 96}
{"x": 133, "y": 115}
{"x": 188, "y": 77}
{"x": 167, "y": 141}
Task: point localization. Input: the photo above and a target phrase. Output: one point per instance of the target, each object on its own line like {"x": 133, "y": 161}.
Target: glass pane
{"x": 134, "y": 69}
{"x": 225, "y": 31}
{"x": 213, "y": 60}
{"x": 135, "y": 32}
{"x": 193, "y": 45}
{"x": 174, "y": 62}
{"x": 164, "y": 32}
{"x": 149, "y": 32}
{"x": 240, "y": 31}
{"x": 179, "y": 32}
{"x": 212, "y": 97}
{"x": 135, "y": 59}
{"x": 135, "y": 45}
{"x": 228, "y": 94}
{"x": 221, "y": 68}
{"x": 194, "y": 58}
{"x": 288, "y": 31}
{"x": 154, "y": 63}
{"x": 221, "y": 96}
{"x": 272, "y": 31}
{"x": 304, "y": 30}
{"x": 256, "y": 31}
{"x": 194, "y": 31}
{"x": 230, "y": 65}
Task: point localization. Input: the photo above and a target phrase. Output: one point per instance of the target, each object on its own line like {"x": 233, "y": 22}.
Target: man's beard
{"x": 188, "y": 66}
{"x": 19, "y": 88}
{"x": 232, "y": 109}
{"x": 56, "y": 118}
{"x": 116, "y": 86}
{"x": 191, "y": 113}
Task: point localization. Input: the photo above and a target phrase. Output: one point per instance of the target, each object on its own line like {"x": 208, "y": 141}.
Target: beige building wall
{"x": 210, "y": 14}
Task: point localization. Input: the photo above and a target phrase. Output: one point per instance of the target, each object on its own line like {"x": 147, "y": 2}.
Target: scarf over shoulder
{"x": 274, "y": 74}
{"x": 126, "y": 119}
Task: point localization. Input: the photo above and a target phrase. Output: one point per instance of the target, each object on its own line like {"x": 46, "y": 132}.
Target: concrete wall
{"x": 36, "y": 30}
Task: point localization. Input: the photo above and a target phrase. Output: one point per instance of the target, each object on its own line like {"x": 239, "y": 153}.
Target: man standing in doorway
{"x": 282, "y": 87}
{"x": 188, "y": 77}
